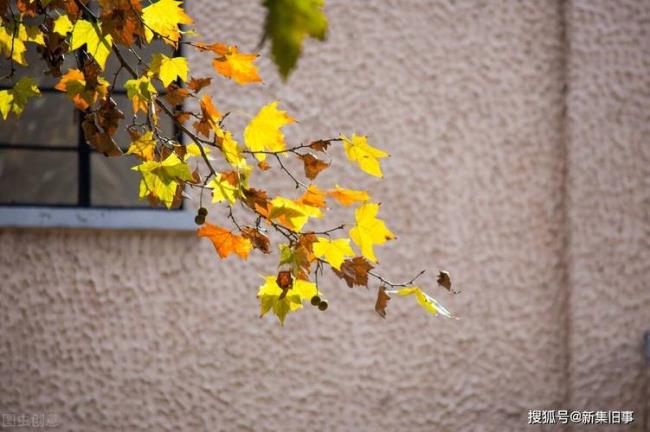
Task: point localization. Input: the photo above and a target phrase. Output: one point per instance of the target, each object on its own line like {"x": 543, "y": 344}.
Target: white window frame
{"x": 96, "y": 218}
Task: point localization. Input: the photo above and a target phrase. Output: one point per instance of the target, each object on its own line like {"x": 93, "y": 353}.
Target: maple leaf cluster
{"x": 216, "y": 161}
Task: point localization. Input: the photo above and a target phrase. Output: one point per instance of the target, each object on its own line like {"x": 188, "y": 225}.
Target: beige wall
{"x": 520, "y": 162}
{"x": 609, "y": 203}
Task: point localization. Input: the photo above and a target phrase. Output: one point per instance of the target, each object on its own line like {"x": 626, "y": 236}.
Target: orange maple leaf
{"x": 209, "y": 116}
{"x": 347, "y": 197}
{"x": 237, "y": 66}
{"x": 313, "y": 197}
{"x": 83, "y": 95}
{"x": 225, "y": 242}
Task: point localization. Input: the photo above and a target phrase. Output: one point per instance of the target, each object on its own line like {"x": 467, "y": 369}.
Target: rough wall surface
{"x": 143, "y": 331}
{"x": 609, "y": 204}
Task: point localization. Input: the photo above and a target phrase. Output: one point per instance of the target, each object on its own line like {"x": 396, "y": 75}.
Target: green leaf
{"x": 15, "y": 99}
{"x": 287, "y": 24}
{"x": 140, "y": 91}
{"x": 223, "y": 189}
{"x": 161, "y": 179}
{"x": 272, "y": 297}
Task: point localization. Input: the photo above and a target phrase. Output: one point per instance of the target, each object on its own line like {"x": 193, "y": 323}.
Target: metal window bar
{"x": 84, "y": 152}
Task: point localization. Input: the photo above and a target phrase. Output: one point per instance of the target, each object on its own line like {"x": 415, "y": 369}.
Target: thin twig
{"x": 329, "y": 231}
{"x": 295, "y": 180}
{"x": 393, "y": 284}
{"x": 287, "y": 150}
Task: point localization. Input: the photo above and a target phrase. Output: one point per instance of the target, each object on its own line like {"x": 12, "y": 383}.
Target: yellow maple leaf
{"x": 193, "y": 150}
{"x": 169, "y": 69}
{"x": 12, "y": 46}
{"x": 225, "y": 242}
{"x": 225, "y": 187}
{"x": 62, "y": 25}
{"x": 73, "y": 83}
{"x": 334, "y": 251}
{"x": 427, "y": 302}
{"x": 141, "y": 92}
{"x": 15, "y": 99}
{"x": 366, "y": 156}
{"x": 230, "y": 149}
{"x": 143, "y": 147}
{"x": 237, "y": 66}
{"x": 163, "y": 19}
{"x": 161, "y": 179}
{"x": 13, "y": 37}
{"x": 263, "y": 132}
{"x": 347, "y": 197}
{"x": 369, "y": 231}
{"x": 90, "y": 34}
{"x": 272, "y": 297}
{"x": 288, "y": 213}
{"x": 292, "y": 213}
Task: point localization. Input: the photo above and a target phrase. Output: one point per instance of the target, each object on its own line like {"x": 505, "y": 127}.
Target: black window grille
{"x": 44, "y": 157}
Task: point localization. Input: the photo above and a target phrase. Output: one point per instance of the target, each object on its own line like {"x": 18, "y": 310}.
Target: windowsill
{"x": 97, "y": 218}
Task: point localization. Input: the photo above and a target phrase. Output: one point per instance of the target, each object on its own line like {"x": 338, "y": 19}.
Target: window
{"x": 49, "y": 176}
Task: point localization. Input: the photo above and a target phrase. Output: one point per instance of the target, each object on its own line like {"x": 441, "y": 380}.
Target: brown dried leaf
{"x": 320, "y": 145}
{"x": 3, "y": 7}
{"x": 181, "y": 151}
{"x": 354, "y": 271}
{"x": 259, "y": 240}
{"x": 196, "y": 177}
{"x": 54, "y": 49}
{"x": 444, "y": 280}
{"x": 92, "y": 72}
{"x": 178, "y": 197}
{"x": 284, "y": 281}
{"x": 176, "y": 95}
{"x": 382, "y": 302}
{"x": 121, "y": 19}
{"x": 100, "y": 141}
{"x": 197, "y": 84}
{"x": 108, "y": 117}
{"x": 257, "y": 200}
{"x": 182, "y": 117}
{"x": 313, "y": 165}
{"x": 28, "y": 8}
{"x": 307, "y": 241}
{"x": 165, "y": 152}
{"x": 299, "y": 257}
{"x": 73, "y": 10}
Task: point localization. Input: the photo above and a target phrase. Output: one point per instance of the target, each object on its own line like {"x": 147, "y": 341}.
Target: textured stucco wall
{"x": 609, "y": 204}
{"x": 150, "y": 331}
